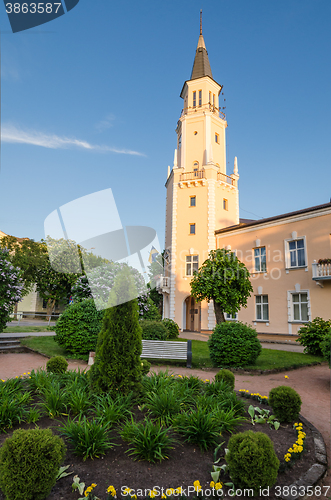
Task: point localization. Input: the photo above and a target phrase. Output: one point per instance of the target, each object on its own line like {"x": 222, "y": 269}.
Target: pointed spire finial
{"x": 201, "y": 22}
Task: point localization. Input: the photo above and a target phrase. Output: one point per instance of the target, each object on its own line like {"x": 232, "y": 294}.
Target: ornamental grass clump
{"x": 29, "y": 464}
{"x": 227, "y": 376}
{"x": 285, "y": 403}
{"x": 57, "y": 364}
{"x": 234, "y": 344}
{"x": 252, "y": 460}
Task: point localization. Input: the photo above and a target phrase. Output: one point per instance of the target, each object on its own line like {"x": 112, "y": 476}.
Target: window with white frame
{"x": 262, "y": 307}
{"x": 260, "y": 260}
{"x": 295, "y": 253}
{"x": 300, "y": 303}
{"x": 231, "y": 317}
{"x": 192, "y": 264}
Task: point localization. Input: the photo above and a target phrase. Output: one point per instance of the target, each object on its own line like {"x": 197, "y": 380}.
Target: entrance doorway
{"x": 192, "y": 311}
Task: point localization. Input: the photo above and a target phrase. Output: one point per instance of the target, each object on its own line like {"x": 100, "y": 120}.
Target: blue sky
{"x": 91, "y": 100}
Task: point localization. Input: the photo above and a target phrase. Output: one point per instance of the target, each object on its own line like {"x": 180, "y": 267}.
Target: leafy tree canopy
{"x": 224, "y": 279}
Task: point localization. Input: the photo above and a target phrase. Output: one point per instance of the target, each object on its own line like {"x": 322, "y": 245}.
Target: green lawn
{"x": 48, "y": 346}
{"x": 268, "y": 359}
{"x": 28, "y": 329}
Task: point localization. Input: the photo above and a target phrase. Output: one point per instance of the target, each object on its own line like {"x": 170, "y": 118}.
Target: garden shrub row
{"x": 78, "y": 327}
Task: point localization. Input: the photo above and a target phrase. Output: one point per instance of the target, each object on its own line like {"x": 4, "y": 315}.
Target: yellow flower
{"x": 290, "y": 450}
{"x": 153, "y": 493}
{"x": 212, "y": 484}
{"x": 163, "y": 495}
{"x": 180, "y": 376}
{"x": 170, "y": 491}
{"x": 134, "y": 496}
{"x": 111, "y": 490}
{"x": 218, "y": 486}
{"x": 93, "y": 485}
{"x": 24, "y": 373}
{"x": 126, "y": 491}
{"x": 207, "y": 380}
{"x": 197, "y": 485}
{"x": 179, "y": 490}
{"x": 285, "y": 376}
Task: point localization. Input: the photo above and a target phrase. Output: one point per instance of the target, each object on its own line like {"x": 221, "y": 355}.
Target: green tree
{"x": 26, "y": 254}
{"x": 155, "y": 269}
{"x": 117, "y": 366}
{"x": 224, "y": 279}
{"x": 10, "y": 288}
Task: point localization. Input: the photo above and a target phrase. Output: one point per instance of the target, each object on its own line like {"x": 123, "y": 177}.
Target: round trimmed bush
{"x": 234, "y": 344}
{"x": 153, "y": 330}
{"x": 312, "y": 334}
{"x": 227, "y": 376}
{"x": 57, "y": 364}
{"x": 78, "y": 327}
{"x": 325, "y": 346}
{"x": 172, "y": 327}
{"x": 29, "y": 464}
{"x": 285, "y": 403}
{"x": 252, "y": 460}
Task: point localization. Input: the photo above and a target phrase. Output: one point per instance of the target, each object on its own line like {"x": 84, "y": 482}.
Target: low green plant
{"x": 227, "y": 419}
{"x": 163, "y": 406}
{"x": 199, "y": 427}
{"x": 172, "y": 328}
{"x": 252, "y": 460}
{"x": 54, "y": 400}
{"x": 262, "y": 416}
{"x": 113, "y": 409}
{"x": 78, "y": 400}
{"x": 150, "y": 441}
{"x": 13, "y": 409}
{"x": 37, "y": 455}
{"x": 157, "y": 382}
{"x": 227, "y": 376}
{"x": 325, "y": 346}
{"x": 145, "y": 366}
{"x": 32, "y": 416}
{"x": 129, "y": 429}
{"x": 153, "y": 330}
{"x": 62, "y": 472}
{"x": 57, "y": 364}
{"x": 234, "y": 344}
{"x": 312, "y": 334}
{"x": 39, "y": 380}
{"x": 89, "y": 438}
{"x": 285, "y": 403}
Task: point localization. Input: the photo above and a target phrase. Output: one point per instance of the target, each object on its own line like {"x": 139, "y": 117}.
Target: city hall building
{"x": 288, "y": 256}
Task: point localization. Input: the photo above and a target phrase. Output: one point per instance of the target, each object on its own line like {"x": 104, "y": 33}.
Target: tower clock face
{"x": 166, "y": 256}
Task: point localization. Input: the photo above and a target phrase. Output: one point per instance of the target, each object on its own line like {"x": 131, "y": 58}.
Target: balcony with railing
{"x": 226, "y": 178}
{"x": 192, "y": 176}
{"x": 321, "y": 270}
{"x": 163, "y": 284}
{"x": 195, "y": 109}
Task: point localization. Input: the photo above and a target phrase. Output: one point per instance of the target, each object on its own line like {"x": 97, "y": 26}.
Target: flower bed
{"x": 189, "y": 464}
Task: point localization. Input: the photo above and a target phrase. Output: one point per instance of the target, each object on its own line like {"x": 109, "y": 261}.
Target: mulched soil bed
{"x": 186, "y": 463}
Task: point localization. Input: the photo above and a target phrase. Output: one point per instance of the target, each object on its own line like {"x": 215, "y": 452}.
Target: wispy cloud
{"x": 12, "y": 134}
{"x": 106, "y": 123}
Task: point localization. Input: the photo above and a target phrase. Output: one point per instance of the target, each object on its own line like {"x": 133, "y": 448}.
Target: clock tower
{"x": 201, "y": 197}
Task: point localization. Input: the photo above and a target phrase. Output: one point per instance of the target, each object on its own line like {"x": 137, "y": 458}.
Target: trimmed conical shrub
{"x": 117, "y": 365}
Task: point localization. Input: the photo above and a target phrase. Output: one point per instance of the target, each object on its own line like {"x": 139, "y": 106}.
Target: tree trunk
{"x": 218, "y": 313}
{"x": 49, "y": 308}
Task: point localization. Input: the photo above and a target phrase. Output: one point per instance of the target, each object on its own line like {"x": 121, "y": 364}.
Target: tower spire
{"x": 201, "y": 66}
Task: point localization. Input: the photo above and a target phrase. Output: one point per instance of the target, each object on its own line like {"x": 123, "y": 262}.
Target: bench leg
{"x": 189, "y": 354}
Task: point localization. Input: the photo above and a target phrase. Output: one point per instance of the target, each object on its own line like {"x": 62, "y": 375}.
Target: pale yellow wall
{"x": 278, "y": 281}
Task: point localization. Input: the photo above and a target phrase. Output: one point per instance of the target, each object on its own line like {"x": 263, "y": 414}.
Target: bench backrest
{"x": 164, "y": 349}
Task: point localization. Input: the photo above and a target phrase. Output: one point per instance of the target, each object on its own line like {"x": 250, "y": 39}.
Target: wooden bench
{"x": 163, "y": 349}
{"x": 166, "y": 349}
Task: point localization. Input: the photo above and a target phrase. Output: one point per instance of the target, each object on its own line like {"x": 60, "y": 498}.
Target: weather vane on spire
{"x": 201, "y": 22}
